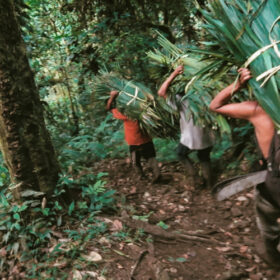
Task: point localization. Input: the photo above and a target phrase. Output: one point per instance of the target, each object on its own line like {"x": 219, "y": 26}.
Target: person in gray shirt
{"x": 193, "y": 137}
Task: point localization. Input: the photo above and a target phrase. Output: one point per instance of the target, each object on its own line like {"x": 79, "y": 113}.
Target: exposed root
{"x": 161, "y": 233}
{"x": 141, "y": 256}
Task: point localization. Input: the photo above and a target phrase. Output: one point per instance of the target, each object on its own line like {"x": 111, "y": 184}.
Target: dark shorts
{"x": 268, "y": 212}
{"x": 203, "y": 154}
{"x": 272, "y": 187}
{"x": 146, "y": 150}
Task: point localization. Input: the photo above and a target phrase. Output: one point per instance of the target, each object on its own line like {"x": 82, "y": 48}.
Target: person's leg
{"x": 136, "y": 161}
{"x": 182, "y": 154}
{"x": 149, "y": 153}
{"x": 267, "y": 221}
{"x": 204, "y": 158}
{"x": 153, "y": 164}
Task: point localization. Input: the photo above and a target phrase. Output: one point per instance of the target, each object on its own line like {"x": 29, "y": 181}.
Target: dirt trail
{"x": 224, "y": 232}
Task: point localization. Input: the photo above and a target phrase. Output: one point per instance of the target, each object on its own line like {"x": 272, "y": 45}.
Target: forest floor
{"x": 171, "y": 230}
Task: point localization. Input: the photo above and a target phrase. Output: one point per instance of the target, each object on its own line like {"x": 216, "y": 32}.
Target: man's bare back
{"x": 247, "y": 110}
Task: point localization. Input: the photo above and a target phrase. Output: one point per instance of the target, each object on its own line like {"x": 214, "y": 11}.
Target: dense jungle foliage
{"x": 69, "y": 43}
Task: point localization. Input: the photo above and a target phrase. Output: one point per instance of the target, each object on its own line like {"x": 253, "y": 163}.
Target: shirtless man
{"x": 268, "y": 194}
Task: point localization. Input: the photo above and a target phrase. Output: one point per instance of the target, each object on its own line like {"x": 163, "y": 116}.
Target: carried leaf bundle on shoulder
{"x": 137, "y": 102}
{"x": 197, "y": 92}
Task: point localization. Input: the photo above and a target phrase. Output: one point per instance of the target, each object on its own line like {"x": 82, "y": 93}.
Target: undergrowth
{"x": 30, "y": 231}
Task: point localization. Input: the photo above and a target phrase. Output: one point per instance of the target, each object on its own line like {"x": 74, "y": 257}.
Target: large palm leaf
{"x": 241, "y": 31}
{"x": 138, "y": 103}
{"x": 198, "y": 92}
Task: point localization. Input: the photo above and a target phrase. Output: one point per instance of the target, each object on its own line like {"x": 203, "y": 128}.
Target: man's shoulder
{"x": 118, "y": 115}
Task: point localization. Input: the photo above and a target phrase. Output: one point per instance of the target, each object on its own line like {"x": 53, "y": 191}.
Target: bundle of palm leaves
{"x": 138, "y": 103}
{"x": 169, "y": 57}
{"x": 246, "y": 33}
{"x": 198, "y": 92}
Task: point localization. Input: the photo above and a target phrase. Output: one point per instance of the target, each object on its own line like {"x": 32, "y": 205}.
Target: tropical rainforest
{"x": 71, "y": 205}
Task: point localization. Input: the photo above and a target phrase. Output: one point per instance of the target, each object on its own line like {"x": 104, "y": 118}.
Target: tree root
{"x": 141, "y": 256}
{"x": 161, "y": 233}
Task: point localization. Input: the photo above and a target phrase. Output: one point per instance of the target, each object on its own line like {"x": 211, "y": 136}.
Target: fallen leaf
{"x": 57, "y": 234}
{"x": 60, "y": 264}
{"x": 186, "y": 256}
{"x": 121, "y": 254}
{"x": 77, "y": 275}
{"x": 243, "y": 249}
{"x": 223, "y": 249}
{"x": 228, "y": 234}
{"x": 116, "y": 226}
{"x": 121, "y": 245}
{"x": 241, "y": 198}
{"x": 146, "y": 194}
{"x": 133, "y": 190}
{"x": 91, "y": 273}
{"x": 250, "y": 195}
{"x": 3, "y": 252}
{"x": 92, "y": 257}
{"x": 119, "y": 266}
{"x": 251, "y": 269}
{"x": 104, "y": 241}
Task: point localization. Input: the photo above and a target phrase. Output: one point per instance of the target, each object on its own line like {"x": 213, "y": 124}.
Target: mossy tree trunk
{"x": 25, "y": 141}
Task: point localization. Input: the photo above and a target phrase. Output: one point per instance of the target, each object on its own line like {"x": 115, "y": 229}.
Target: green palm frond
{"x": 246, "y": 33}
{"x": 137, "y": 102}
{"x": 198, "y": 92}
{"x": 172, "y": 56}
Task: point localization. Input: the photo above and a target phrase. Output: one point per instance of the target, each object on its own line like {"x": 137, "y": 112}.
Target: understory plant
{"x": 29, "y": 229}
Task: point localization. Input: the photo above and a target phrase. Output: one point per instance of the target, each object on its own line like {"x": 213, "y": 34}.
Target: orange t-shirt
{"x": 132, "y": 132}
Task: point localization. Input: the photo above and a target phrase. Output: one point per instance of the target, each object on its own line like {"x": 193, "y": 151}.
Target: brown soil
{"x": 226, "y": 230}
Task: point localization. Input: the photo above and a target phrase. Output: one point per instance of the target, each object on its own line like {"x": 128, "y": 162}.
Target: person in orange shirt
{"x": 140, "y": 143}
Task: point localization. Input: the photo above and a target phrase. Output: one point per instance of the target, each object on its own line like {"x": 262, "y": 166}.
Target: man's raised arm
{"x": 113, "y": 95}
{"x": 242, "y": 110}
{"x": 164, "y": 87}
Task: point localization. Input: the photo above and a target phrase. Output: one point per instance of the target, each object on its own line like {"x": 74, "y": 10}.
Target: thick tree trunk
{"x": 25, "y": 142}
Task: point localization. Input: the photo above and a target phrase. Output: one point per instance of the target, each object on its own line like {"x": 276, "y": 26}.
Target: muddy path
{"x": 206, "y": 239}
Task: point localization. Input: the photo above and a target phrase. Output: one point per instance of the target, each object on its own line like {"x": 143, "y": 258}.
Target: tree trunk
{"x": 25, "y": 142}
